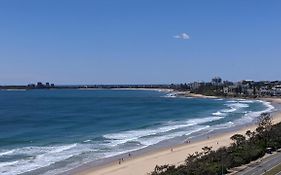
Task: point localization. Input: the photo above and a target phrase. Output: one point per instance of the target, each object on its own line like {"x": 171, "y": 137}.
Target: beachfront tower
{"x": 216, "y": 81}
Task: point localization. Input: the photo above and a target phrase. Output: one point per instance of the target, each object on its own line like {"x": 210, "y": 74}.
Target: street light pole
{"x": 221, "y": 165}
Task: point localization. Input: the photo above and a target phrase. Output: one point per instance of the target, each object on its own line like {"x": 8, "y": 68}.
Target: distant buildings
{"x": 216, "y": 81}
{"x": 30, "y": 86}
{"x": 216, "y": 87}
{"x": 276, "y": 90}
{"x": 40, "y": 85}
{"x": 194, "y": 85}
{"x": 244, "y": 88}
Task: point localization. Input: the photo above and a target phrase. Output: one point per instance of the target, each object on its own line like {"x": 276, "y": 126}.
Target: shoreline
{"x": 144, "y": 163}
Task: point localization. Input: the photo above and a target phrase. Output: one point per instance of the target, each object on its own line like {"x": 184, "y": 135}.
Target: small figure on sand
{"x": 187, "y": 141}
{"x": 119, "y": 161}
{"x": 129, "y": 154}
{"x": 172, "y": 149}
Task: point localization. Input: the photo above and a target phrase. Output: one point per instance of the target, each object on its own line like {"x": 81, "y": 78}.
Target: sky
{"x": 138, "y": 41}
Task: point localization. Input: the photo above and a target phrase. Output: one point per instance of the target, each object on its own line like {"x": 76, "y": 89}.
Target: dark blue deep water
{"x": 52, "y": 130}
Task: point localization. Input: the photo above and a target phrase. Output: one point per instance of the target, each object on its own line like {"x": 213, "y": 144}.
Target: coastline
{"x": 188, "y": 94}
{"x": 145, "y": 163}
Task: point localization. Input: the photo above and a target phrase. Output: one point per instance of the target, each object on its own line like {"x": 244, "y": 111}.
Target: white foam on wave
{"x": 155, "y": 140}
{"x": 135, "y": 135}
{"x": 232, "y": 101}
{"x": 241, "y": 101}
{"x": 170, "y": 95}
{"x": 228, "y": 110}
{"x": 3, "y": 164}
{"x": 248, "y": 101}
{"x": 3, "y": 153}
{"x": 218, "y": 113}
{"x": 86, "y": 141}
{"x": 250, "y": 116}
{"x": 232, "y": 106}
{"x": 149, "y": 137}
{"x": 238, "y": 105}
{"x": 38, "y": 157}
{"x": 269, "y": 106}
{"x": 123, "y": 137}
{"x": 224, "y": 125}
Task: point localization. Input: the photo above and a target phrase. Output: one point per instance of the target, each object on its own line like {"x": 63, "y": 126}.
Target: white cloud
{"x": 183, "y": 36}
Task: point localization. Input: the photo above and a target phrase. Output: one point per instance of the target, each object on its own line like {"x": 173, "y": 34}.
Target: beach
{"x": 143, "y": 164}
{"x": 90, "y": 131}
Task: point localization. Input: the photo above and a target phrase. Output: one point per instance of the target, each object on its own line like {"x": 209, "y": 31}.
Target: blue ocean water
{"x": 51, "y": 131}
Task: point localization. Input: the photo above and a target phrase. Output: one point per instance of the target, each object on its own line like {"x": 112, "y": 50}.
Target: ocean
{"x": 52, "y": 131}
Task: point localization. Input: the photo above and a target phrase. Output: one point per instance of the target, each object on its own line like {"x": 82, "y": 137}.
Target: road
{"x": 263, "y": 166}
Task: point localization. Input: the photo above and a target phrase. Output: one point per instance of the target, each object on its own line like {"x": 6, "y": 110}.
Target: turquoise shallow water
{"x": 52, "y": 130}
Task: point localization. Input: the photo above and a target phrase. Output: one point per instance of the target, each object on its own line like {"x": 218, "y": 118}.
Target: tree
{"x": 238, "y": 139}
{"x": 191, "y": 158}
{"x": 163, "y": 169}
{"x": 264, "y": 123}
{"x": 242, "y": 151}
{"x": 250, "y": 134}
{"x": 264, "y": 126}
{"x": 206, "y": 149}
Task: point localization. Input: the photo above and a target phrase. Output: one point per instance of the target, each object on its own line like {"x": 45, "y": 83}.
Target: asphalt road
{"x": 263, "y": 166}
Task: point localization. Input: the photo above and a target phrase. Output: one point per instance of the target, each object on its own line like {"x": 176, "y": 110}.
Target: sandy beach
{"x": 143, "y": 164}
{"x": 198, "y": 95}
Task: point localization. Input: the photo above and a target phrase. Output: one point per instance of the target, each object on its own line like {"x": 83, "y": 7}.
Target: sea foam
{"x": 38, "y": 157}
{"x": 26, "y": 159}
{"x": 250, "y": 115}
{"x": 135, "y": 135}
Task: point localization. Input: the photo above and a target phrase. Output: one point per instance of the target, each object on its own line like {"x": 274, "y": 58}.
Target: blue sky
{"x": 138, "y": 41}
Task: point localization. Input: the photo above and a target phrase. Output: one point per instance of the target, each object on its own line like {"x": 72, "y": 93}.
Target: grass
{"x": 274, "y": 170}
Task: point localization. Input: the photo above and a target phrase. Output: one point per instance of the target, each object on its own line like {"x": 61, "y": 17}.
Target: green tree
{"x": 238, "y": 139}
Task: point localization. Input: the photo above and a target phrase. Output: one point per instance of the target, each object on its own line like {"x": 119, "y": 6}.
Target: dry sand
{"x": 199, "y": 95}
{"x": 142, "y": 165}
